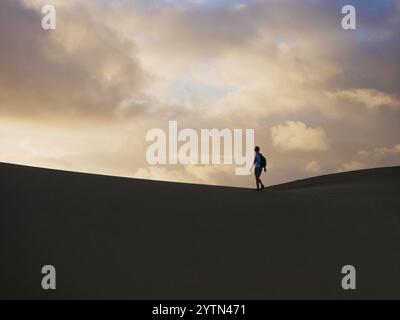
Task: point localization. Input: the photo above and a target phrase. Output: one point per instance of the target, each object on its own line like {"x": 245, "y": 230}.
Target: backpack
{"x": 263, "y": 161}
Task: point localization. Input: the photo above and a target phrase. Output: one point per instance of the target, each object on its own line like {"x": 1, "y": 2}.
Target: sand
{"x": 112, "y": 237}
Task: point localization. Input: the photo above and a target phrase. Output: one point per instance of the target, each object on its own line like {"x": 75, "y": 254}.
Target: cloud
{"x": 377, "y": 157}
{"x": 381, "y": 155}
{"x": 372, "y": 99}
{"x": 188, "y": 174}
{"x": 163, "y": 174}
{"x": 313, "y": 167}
{"x": 351, "y": 166}
{"x": 295, "y": 135}
{"x": 84, "y": 68}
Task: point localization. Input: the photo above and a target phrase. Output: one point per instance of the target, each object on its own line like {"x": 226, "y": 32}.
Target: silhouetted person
{"x": 260, "y": 163}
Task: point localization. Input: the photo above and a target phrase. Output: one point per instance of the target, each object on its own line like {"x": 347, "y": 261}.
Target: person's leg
{"x": 259, "y": 180}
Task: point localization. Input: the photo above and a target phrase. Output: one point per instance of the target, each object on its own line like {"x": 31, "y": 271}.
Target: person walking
{"x": 260, "y": 163}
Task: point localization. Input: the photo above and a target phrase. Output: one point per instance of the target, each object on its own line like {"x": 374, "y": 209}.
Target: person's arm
{"x": 254, "y": 163}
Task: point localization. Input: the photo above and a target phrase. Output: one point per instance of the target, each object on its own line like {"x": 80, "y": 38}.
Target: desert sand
{"x": 111, "y": 237}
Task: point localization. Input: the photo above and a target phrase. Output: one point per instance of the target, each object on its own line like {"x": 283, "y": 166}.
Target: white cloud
{"x": 378, "y": 157}
{"x": 295, "y": 135}
{"x": 313, "y": 166}
{"x": 383, "y": 152}
{"x": 190, "y": 174}
{"x": 351, "y": 166}
{"x": 370, "y": 98}
{"x": 381, "y": 155}
{"x": 160, "y": 173}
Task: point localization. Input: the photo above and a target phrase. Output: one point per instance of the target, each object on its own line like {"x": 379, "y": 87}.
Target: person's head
{"x": 257, "y": 149}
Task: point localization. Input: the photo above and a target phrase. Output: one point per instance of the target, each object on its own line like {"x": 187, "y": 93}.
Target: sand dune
{"x": 114, "y": 237}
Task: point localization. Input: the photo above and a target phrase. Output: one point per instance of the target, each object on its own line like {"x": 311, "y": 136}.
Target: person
{"x": 259, "y": 164}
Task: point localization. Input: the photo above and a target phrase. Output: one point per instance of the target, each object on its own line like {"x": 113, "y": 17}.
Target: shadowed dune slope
{"x": 111, "y": 237}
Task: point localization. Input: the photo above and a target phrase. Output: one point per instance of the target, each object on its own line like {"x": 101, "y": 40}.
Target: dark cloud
{"x": 81, "y": 68}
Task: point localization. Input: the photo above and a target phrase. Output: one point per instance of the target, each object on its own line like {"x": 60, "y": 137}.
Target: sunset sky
{"x": 82, "y": 97}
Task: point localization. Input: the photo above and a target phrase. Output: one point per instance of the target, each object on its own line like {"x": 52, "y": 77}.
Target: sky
{"x": 321, "y": 99}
